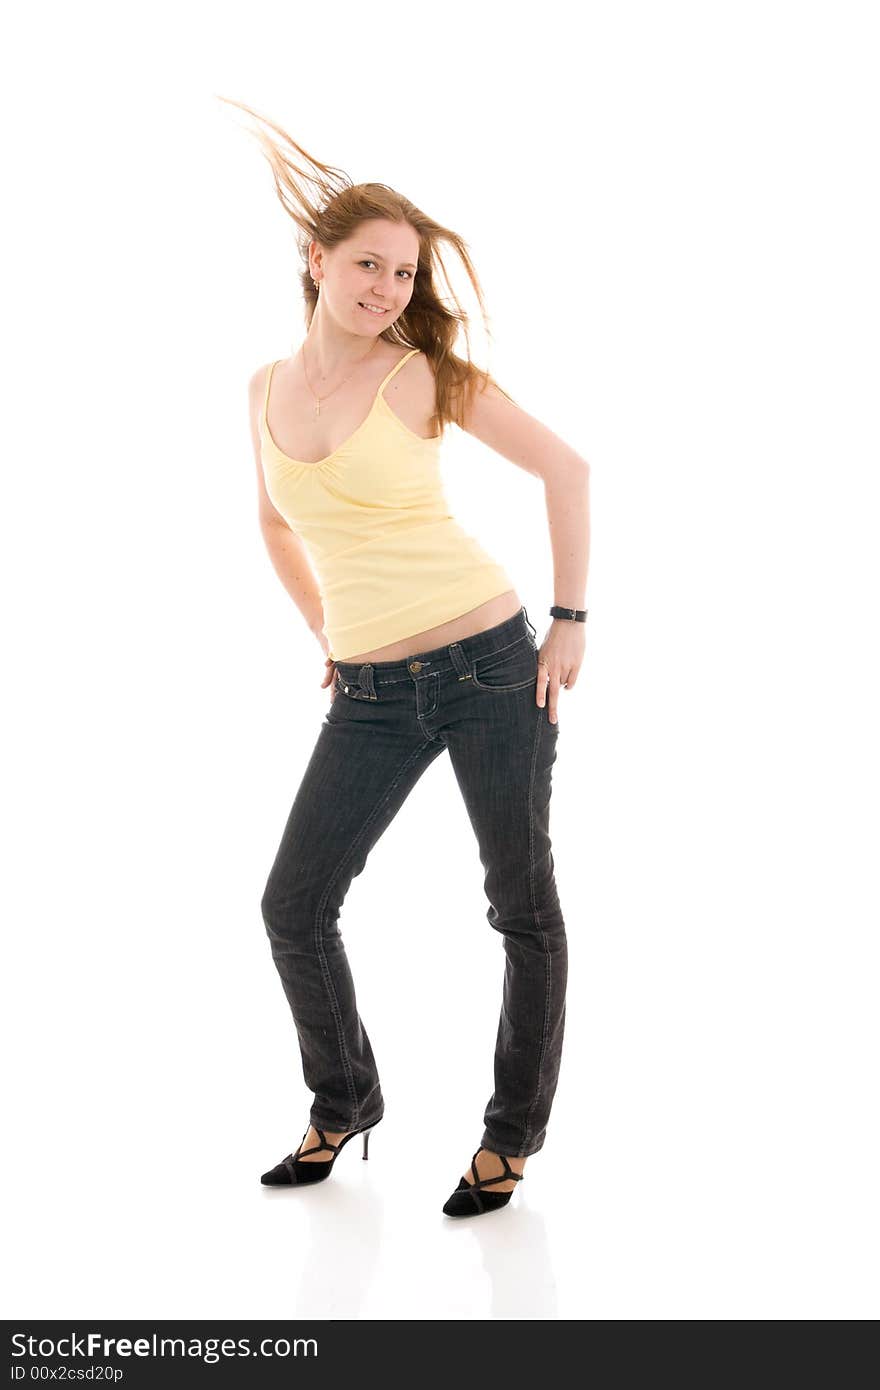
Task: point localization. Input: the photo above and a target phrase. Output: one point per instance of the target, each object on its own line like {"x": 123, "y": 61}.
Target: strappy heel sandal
{"x": 292, "y": 1171}
{"x": 470, "y": 1198}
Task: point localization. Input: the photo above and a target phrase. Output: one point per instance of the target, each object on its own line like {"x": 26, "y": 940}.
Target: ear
{"x": 316, "y": 256}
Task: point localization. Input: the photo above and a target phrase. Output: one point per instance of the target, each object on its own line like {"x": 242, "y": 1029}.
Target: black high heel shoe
{"x": 292, "y": 1171}
{"x": 467, "y": 1200}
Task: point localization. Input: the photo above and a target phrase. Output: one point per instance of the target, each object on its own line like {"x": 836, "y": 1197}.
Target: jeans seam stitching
{"x": 520, "y": 685}
{"x": 517, "y": 685}
{"x": 495, "y": 650}
{"x": 536, "y": 911}
{"x": 319, "y": 919}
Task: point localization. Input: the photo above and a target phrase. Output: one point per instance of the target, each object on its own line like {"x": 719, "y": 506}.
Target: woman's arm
{"x": 501, "y": 424}
{"x": 286, "y": 551}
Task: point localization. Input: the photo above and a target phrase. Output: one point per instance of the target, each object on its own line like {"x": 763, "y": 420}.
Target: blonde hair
{"x": 327, "y": 207}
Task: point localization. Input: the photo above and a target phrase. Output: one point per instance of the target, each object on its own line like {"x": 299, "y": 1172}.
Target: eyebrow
{"x": 407, "y": 265}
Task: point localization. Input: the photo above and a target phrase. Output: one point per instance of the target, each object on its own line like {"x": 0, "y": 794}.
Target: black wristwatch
{"x": 577, "y": 615}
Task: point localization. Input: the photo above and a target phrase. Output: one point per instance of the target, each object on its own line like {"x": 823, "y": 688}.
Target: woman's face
{"x": 375, "y": 266}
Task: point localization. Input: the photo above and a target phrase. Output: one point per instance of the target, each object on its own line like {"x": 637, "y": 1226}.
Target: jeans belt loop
{"x": 365, "y": 680}
{"x": 459, "y": 662}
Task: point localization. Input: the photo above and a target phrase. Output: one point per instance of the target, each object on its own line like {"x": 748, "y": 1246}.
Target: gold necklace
{"x": 319, "y": 399}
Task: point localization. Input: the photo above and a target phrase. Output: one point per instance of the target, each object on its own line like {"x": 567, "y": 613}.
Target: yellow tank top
{"x": 390, "y": 559}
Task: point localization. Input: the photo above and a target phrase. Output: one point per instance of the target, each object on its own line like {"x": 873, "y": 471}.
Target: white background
{"x": 673, "y": 212}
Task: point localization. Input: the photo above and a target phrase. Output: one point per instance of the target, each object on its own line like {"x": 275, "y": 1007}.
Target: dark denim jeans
{"x": 387, "y": 722}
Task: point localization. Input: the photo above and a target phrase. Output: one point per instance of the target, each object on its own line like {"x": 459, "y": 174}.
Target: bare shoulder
{"x": 420, "y": 367}
{"x": 257, "y": 383}
{"x": 412, "y": 392}
{"x": 257, "y": 393}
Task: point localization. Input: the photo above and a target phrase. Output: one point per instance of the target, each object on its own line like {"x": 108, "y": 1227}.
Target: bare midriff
{"x": 494, "y": 610}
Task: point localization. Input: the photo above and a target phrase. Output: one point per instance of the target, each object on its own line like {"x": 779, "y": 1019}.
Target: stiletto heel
{"x": 293, "y": 1171}
{"x": 470, "y": 1198}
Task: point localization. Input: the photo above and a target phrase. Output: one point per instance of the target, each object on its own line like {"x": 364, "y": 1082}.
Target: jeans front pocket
{"x": 513, "y": 668}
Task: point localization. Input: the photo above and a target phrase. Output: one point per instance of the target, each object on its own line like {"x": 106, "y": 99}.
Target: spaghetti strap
{"x": 396, "y": 368}
{"x": 268, "y": 384}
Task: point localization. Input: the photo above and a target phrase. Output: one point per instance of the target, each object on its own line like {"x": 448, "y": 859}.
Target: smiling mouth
{"x": 373, "y": 309}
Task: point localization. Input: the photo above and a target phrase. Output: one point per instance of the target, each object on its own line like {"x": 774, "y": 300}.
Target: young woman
{"x": 428, "y": 648}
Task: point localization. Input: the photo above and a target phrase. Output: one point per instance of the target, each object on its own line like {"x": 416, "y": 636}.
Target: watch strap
{"x": 577, "y": 615}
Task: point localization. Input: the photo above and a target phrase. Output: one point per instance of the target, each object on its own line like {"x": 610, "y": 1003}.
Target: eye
{"x": 402, "y": 272}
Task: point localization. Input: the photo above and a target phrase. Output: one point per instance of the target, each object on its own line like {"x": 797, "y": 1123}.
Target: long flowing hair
{"x": 328, "y": 208}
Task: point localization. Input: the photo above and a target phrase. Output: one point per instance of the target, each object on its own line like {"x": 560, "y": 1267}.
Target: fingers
{"x": 329, "y": 675}
{"x": 547, "y": 683}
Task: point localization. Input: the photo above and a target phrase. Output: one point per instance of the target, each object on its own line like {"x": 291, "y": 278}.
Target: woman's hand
{"x": 560, "y": 657}
{"x": 329, "y": 673}
{"x": 329, "y": 665}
